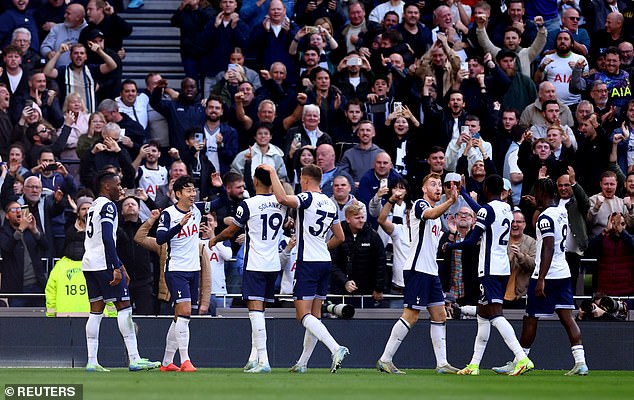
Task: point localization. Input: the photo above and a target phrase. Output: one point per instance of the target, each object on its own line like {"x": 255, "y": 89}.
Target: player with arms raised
{"x": 550, "y": 287}
{"x": 179, "y": 225}
{"x": 104, "y": 274}
{"x": 316, "y": 216}
{"x": 493, "y": 225}
{"x": 262, "y": 217}
{"x": 422, "y": 284}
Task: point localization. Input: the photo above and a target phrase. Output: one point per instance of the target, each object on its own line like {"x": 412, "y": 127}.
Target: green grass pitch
{"x": 362, "y": 384}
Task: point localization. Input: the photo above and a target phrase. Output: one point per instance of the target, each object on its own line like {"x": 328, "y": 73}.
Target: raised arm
{"x": 279, "y": 192}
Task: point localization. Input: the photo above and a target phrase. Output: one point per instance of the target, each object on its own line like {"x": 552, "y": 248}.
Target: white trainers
{"x": 250, "y": 365}
{"x": 337, "y": 358}
{"x": 578, "y": 369}
{"x": 504, "y": 370}
{"x": 299, "y": 369}
{"x": 260, "y": 369}
{"x": 388, "y": 367}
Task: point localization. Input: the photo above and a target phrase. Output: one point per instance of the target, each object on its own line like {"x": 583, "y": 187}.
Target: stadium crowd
{"x": 377, "y": 94}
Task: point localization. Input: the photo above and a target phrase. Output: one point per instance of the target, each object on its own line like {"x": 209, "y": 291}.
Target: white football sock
{"x": 170, "y": 345}
{"x": 253, "y": 355}
{"x": 437, "y": 331}
{"x": 579, "y": 354}
{"x": 126, "y": 327}
{"x": 258, "y": 335}
{"x": 525, "y": 350}
{"x": 469, "y": 311}
{"x": 481, "y": 340}
{"x": 317, "y": 328}
{"x": 310, "y": 341}
{"x": 92, "y": 336}
{"x": 508, "y": 334}
{"x": 182, "y": 337}
{"x": 399, "y": 331}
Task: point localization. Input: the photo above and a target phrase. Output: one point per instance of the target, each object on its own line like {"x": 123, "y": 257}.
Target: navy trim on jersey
{"x": 299, "y": 230}
{"x": 421, "y": 236}
{"x": 247, "y": 243}
{"x": 110, "y": 247}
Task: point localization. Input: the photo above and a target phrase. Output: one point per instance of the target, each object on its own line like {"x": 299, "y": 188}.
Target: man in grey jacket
{"x": 66, "y": 32}
{"x": 360, "y": 158}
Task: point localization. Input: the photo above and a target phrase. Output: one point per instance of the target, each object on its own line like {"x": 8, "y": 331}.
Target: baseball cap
{"x": 452, "y": 177}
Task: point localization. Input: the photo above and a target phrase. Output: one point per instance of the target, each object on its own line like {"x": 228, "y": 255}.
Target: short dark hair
{"x": 315, "y": 71}
{"x": 183, "y": 181}
{"x": 102, "y": 178}
{"x": 154, "y": 143}
{"x": 266, "y": 125}
{"x": 549, "y": 102}
{"x": 494, "y": 184}
{"x": 472, "y": 117}
{"x": 192, "y": 131}
{"x": 232, "y": 177}
{"x": 215, "y": 97}
{"x": 313, "y": 172}
{"x": 129, "y": 82}
{"x": 11, "y": 49}
{"x": 546, "y": 186}
{"x": 613, "y": 50}
{"x": 263, "y": 176}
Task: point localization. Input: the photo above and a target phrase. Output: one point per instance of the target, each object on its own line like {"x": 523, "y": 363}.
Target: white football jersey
{"x": 425, "y": 238}
{"x": 182, "y": 249}
{"x": 102, "y": 211}
{"x": 553, "y": 221}
{"x": 152, "y": 179}
{"x": 262, "y": 217}
{"x": 315, "y": 216}
{"x": 288, "y": 270}
{"x": 400, "y": 251}
{"x": 495, "y": 219}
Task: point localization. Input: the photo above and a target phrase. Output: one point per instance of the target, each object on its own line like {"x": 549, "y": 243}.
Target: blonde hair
{"x": 355, "y": 208}
{"x": 73, "y": 96}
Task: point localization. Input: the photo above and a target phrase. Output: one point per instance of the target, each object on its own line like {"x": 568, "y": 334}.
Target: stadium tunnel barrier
{"x": 225, "y": 342}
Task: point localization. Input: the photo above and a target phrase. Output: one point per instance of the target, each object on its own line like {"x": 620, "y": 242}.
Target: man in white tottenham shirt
{"x": 220, "y": 138}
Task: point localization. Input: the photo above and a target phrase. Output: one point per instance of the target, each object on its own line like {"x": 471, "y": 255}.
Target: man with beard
{"x": 132, "y": 103}
{"x": 66, "y": 32}
{"x": 310, "y": 61}
{"x": 415, "y": 34}
{"x": 522, "y": 91}
{"x": 449, "y": 119}
{"x": 45, "y": 99}
{"x": 617, "y": 80}
{"x": 344, "y": 135}
{"x": 533, "y": 113}
{"x": 557, "y": 68}
{"x": 77, "y": 77}
{"x": 12, "y": 75}
{"x": 220, "y": 138}
{"x": 131, "y": 129}
{"x": 550, "y": 114}
{"x": 182, "y": 113}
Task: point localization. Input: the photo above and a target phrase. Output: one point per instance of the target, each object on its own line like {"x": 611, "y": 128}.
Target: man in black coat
{"x": 23, "y": 246}
{"x": 358, "y": 264}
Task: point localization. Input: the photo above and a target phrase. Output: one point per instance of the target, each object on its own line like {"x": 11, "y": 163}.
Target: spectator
{"x": 533, "y": 113}
{"x": 77, "y": 77}
{"x": 342, "y": 194}
{"x": 306, "y": 156}
{"x": 442, "y": 63}
{"x": 353, "y": 35}
{"x": 470, "y": 145}
{"x": 133, "y": 134}
{"x": 617, "y": 80}
{"x": 379, "y": 103}
{"x": 398, "y": 141}
{"x": 447, "y": 120}
{"x": 12, "y": 74}
{"x": 220, "y": 138}
{"x": 275, "y": 87}
{"x": 271, "y": 39}
{"x": 158, "y": 127}
{"x": 374, "y": 184}
{"x": 515, "y": 17}
{"x": 574, "y": 198}
{"x": 604, "y": 204}
{"x": 136, "y": 258}
{"x": 550, "y": 119}
{"x": 353, "y": 77}
{"x": 459, "y": 275}
{"x": 106, "y": 151}
{"x": 522, "y": 91}
{"x": 325, "y": 157}
{"x": 22, "y": 246}
{"x": 261, "y": 152}
{"x": 218, "y": 255}
{"x": 596, "y": 146}
{"x": 236, "y": 60}
{"x": 391, "y": 221}
{"x": 615, "y": 263}
{"x": 49, "y": 13}
{"x": 358, "y": 264}
{"x": 556, "y": 68}
{"x": 182, "y": 113}
{"x": 570, "y": 19}
{"x": 31, "y": 58}
{"x": 453, "y": 30}
{"x": 521, "y": 250}
{"x": 610, "y": 36}
{"x": 307, "y": 12}
{"x": 6, "y": 125}
{"x": 102, "y": 17}
{"x": 415, "y": 33}
{"x": 596, "y": 12}
{"x": 344, "y": 134}
{"x": 198, "y": 165}
{"x": 96, "y": 123}
{"x": 512, "y": 41}
{"x": 360, "y": 158}
{"x": 64, "y": 32}
{"x": 308, "y": 134}
{"x": 134, "y": 104}
{"x": 485, "y": 82}
{"x": 109, "y": 82}
{"x": 19, "y": 15}
{"x": 327, "y": 97}
{"x": 150, "y": 176}
{"x": 191, "y": 19}
{"x": 45, "y": 99}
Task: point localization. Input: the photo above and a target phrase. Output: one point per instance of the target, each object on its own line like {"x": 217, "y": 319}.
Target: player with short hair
{"x": 179, "y": 225}
{"x": 316, "y": 216}
{"x": 104, "y": 274}
{"x": 422, "y": 284}
{"x": 493, "y": 225}
{"x": 262, "y": 217}
{"x": 550, "y": 287}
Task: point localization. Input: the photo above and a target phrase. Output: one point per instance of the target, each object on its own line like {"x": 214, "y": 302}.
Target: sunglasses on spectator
{"x": 574, "y": 18}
